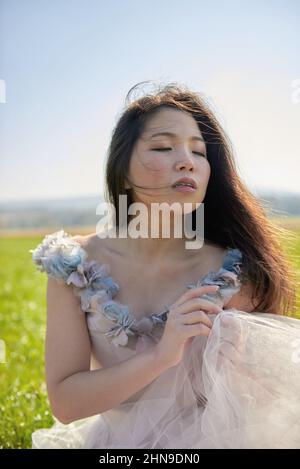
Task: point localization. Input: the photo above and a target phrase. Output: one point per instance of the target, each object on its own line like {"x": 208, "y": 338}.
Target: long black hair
{"x": 234, "y": 217}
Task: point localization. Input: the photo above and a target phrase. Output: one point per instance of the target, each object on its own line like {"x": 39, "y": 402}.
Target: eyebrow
{"x": 171, "y": 134}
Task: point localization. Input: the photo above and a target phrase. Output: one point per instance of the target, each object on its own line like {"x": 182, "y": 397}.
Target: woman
{"x": 153, "y": 345}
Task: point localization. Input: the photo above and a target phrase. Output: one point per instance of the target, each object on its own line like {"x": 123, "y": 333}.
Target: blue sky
{"x": 68, "y": 64}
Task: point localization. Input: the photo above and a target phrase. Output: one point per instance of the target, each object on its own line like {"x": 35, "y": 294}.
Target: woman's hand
{"x": 233, "y": 351}
{"x": 188, "y": 317}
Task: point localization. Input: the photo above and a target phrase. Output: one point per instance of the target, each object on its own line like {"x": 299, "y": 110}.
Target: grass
{"x": 24, "y": 406}
{"x": 23, "y": 398}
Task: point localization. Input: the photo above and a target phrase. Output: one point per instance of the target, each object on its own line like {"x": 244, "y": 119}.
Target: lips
{"x": 185, "y": 182}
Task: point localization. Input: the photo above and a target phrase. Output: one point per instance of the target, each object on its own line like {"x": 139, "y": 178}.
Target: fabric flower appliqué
{"x": 63, "y": 258}
{"x": 229, "y": 278}
{"x": 124, "y": 322}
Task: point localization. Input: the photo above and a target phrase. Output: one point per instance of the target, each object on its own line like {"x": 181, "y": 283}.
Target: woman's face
{"x": 157, "y": 162}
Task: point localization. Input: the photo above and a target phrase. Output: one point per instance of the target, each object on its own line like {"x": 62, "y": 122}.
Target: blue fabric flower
{"x": 64, "y": 258}
{"x": 58, "y": 255}
{"x": 124, "y": 322}
{"x": 228, "y": 277}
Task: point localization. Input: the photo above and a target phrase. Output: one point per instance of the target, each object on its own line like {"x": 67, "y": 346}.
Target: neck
{"x": 156, "y": 243}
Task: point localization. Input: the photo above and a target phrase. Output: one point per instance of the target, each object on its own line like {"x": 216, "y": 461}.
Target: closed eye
{"x": 168, "y": 149}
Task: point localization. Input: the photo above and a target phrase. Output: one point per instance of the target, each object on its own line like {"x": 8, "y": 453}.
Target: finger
{"x": 230, "y": 331}
{"x": 197, "y": 329}
{"x": 199, "y": 304}
{"x": 197, "y": 317}
{"x": 234, "y": 332}
{"x": 196, "y": 292}
{"x": 228, "y": 353}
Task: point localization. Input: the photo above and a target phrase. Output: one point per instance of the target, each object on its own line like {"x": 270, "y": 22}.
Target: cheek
{"x": 154, "y": 168}
{"x": 202, "y": 171}
{"x": 149, "y": 167}
{"x": 206, "y": 170}
{"x": 203, "y": 175}
{"x": 155, "y": 164}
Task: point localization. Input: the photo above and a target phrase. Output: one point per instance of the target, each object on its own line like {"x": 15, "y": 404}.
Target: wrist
{"x": 159, "y": 359}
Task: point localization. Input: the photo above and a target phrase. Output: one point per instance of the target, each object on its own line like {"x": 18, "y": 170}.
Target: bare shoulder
{"x": 212, "y": 255}
{"x": 97, "y": 248}
{"x": 244, "y": 300}
{"x": 83, "y": 240}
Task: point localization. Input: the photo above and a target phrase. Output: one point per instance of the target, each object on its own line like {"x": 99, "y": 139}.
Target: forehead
{"x": 172, "y": 124}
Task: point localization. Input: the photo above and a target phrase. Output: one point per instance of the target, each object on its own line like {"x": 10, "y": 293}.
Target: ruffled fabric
{"x": 63, "y": 258}
{"x": 237, "y": 388}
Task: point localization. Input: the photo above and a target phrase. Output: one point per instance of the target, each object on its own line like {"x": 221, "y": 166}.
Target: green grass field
{"x": 23, "y": 399}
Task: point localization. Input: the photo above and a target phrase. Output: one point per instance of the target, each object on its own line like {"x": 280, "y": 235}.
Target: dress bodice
{"x": 110, "y": 322}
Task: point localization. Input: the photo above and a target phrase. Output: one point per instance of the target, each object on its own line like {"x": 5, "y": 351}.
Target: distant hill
{"x": 36, "y": 214}
{"x": 280, "y": 203}
{"x": 49, "y": 213}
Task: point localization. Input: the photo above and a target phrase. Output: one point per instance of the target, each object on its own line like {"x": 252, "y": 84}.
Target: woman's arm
{"x": 74, "y": 390}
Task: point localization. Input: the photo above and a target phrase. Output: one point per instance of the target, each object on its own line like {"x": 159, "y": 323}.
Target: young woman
{"x": 153, "y": 345}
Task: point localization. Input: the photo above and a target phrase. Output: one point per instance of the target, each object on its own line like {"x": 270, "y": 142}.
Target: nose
{"x": 185, "y": 163}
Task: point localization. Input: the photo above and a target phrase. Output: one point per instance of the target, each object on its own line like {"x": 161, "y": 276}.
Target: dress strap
{"x": 233, "y": 260}
{"x": 58, "y": 255}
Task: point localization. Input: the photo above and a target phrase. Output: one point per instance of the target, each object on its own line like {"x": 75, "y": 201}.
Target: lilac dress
{"x": 237, "y": 388}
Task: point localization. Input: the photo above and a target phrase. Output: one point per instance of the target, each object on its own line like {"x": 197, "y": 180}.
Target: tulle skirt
{"x": 237, "y": 388}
